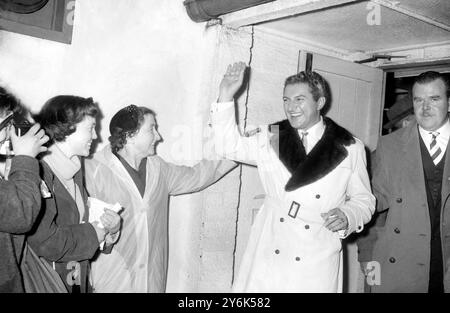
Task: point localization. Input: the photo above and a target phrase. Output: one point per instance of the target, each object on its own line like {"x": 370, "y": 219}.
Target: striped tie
{"x": 435, "y": 150}
{"x": 303, "y": 139}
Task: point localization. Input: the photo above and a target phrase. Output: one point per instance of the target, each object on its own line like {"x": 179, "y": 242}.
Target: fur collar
{"x": 326, "y": 155}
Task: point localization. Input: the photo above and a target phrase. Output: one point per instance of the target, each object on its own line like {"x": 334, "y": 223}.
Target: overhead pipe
{"x": 205, "y": 10}
{"x": 22, "y": 6}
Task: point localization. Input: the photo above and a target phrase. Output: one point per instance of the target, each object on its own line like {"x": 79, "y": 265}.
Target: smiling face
{"x": 147, "y": 137}
{"x": 430, "y": 104}
{"x": 80, "y": 141}
{"x": 301, "y": 109}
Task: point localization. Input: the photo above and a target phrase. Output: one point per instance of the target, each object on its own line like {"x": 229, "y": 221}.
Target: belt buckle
{"x": 293, "y": 211}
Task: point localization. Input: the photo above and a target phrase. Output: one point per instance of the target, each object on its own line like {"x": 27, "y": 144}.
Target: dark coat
{"x": 402, "y": 245}
{"x": 20, "y": 201}
{"x": 368, "y": 236}
{"x": 58, "y": 236}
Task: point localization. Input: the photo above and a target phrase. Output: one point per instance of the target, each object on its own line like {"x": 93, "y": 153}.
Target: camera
{"x": 22, "y": 125}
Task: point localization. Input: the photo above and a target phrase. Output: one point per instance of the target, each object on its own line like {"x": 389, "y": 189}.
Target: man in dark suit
{"x": 411, "y": 180}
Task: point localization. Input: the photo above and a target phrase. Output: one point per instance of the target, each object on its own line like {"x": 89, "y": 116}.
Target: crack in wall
{"x": 240, "y": 166}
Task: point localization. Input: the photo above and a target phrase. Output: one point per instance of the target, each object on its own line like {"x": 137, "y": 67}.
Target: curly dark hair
{"x": 60, "y": 114}
{"x": 125, "y": 124}
{"x": 318, "y": 85}
{"x": 9, "y": 103}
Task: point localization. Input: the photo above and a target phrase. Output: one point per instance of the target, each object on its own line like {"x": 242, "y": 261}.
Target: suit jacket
{"x": 20, "y": 201}
{"x": 402, "y": 245}
{"x": 58, "y": 236}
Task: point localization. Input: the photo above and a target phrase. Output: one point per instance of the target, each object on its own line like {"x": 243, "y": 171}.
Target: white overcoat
{"x": 138, "y": 261}
{"x": 286, "y": 253}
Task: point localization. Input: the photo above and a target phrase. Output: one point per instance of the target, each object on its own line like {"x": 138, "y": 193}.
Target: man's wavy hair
{"x": 431, "y": 76}
{"x": 125, "y": 128}
{"x": 60, "y": 114}
{"x": 317, "y": 84}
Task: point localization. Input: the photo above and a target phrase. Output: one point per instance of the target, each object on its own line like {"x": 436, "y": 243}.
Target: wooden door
{"x": 357, "y": 101}
{"x": 357, "y": 94}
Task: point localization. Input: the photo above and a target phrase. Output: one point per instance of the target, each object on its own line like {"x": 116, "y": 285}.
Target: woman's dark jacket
{"x": 59, "y": 237}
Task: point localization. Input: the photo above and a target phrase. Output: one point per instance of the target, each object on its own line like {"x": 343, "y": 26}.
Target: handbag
{"x": 38, "y": 275}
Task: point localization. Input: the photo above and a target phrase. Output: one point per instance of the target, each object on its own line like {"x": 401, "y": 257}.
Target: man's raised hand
{"x": 231, "y": 82}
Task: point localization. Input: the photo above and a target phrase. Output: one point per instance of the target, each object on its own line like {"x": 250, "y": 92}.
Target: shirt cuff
{"x": 353, "y": 224}
{"x": 220, "y": 107}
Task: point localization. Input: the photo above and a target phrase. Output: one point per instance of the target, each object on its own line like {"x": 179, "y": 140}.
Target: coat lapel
{"x": 152, "y": 177}
{"x": 414, "y": 181}
{"x": 445, "y": 192}
{"x": 118, "y": 168}
{"x": 58, "y": 187}
{"x": 287, "y": 145}
{"x": 79, "y": 180}
{"x": 326, "y": 155}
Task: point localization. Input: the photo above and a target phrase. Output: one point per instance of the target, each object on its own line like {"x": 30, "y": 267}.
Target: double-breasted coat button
{"x": 317, "y": 196}
{"x": 306, "y": 227}
{"x": 399, "y": 200}
{"x": 277, "y": 251}
{"x": 281, "y": 220}
{"x": 297, "y": 259}
{"x": 397, "y": 231}
{"x": 392, "y": 260}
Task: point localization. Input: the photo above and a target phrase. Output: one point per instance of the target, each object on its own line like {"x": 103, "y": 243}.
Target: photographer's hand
{"x": 30, "y": 144}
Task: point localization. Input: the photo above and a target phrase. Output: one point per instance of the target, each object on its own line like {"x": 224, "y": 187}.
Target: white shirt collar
{"x": 441, "y": 140}
{"x": 444, "y": 132}
{"x": 315, "y": 132}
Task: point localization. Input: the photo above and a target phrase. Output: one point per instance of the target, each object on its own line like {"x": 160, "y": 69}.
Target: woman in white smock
{"x": 129, "y": 172}
{"x": 317, "y": 189}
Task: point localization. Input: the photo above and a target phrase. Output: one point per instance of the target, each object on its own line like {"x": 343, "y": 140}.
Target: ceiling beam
{"x": 405, "y": 49}
{"x": 396, "y": 6}
{"x": 276, "y": 10}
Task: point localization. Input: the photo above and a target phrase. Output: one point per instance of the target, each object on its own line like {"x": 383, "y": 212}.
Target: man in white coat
{"x": 316, "y": 183}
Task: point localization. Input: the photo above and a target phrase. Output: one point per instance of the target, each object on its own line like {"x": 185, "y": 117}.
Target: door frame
{"x": 414, "y": 68}
{"x": 410, "y": 69}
